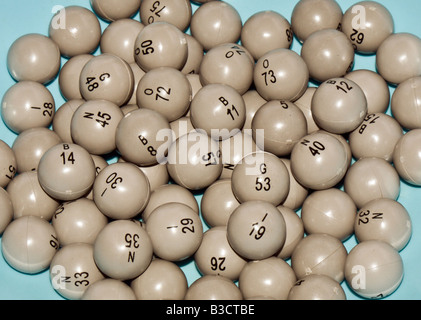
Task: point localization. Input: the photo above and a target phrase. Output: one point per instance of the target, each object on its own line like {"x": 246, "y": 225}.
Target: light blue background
{"x": 20, "y": 17}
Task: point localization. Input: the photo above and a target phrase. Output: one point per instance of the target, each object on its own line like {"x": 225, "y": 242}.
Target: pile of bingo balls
{"x": 292, "y": 153}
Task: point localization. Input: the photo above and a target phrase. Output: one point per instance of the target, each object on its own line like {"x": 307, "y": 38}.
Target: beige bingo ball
{"x": 109, "y": 289}
{"x": 281, "y": 74}
{"x": 138, "y": 73}
{"x": 100, "y": 163}
{"x": 73, "y": 270}
{"x": 213, "y": 287}
{"x": 78, "y": 221}
{"x": 194, "y": 161}
{"x": 166, "y": 90}
{"x": 328, "y": 53}
{"x": 319, "y": 161}
{"x": 256, "y": 230}
{"x": 377, "y": 136}
{"x": 384, "y": 219}
{"x": 294, "y": 231}
{"x": 317, "y": 287}
{"x": 162, "y": 280}
{"x": 234, "y": 149}
{"x": 76, "y": 30}
{"x": 6, "y": 210}
{"x": 304, "y": 103}
{"x": 228, "y": 64}
{"x": 398, "y": 57}
{"x": 8, "y": 164}
{"x": 195, "y": 56}
{"x": 29, "y": 244}
{"x": 63, "y": 118}
{"x": 34, "y": 57}
{"x": 345, "y": 144}
{"x": 219, "y": 110}
{"x": 309, "y": 16}
{"x": 111, "y": 10}
{"x": 26, "y": 105}
{"x": 319, "y": 253}
{"x": 253, "y": 101}
{"x": 178, "y": 12}
{"x": 270, "y": 277}
{"x": 406, "y": 103}
{"x": 69, "y": 76}
{"x": 375, "y": 89}
{"x": 214, "y": 23}
{"x": 107, "y": 77}
{"x": 218, "y": 202}
{"x": 169, "y": 193}
{"x": 371, "y": 178}
{"x": 122, "y": 250}
{"x": 175, "y": 231}
{"x": 330, "y": 211}
{"x": 181, "y": 126}
{"x": 264, "y": 31}
{"x": 215, "y": 255}
{"x": 66, "y": 171}
{"x": 297, "y": 193}
{"x": 281, "y": 123}
{"x": 143, "y": 137}
{"x": 367, "y": 24}
{"x": 157, "y": 175}
{"x": 119, "y": 36}
{"x": 374, "y": 269}
{"x": 94, "y": 124}
{"x": 29, "y": 198}
{"x": 129, "y": 108}
{"x": 260, "y": 176}
{"x": 339, "y": 105}
{"x": 30, "y": 145}
{"x": 406, "y": 157}
{"x": 160, "y": 44}
{"x": 121, "y": 190}
{"x": 194, "y": 79}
